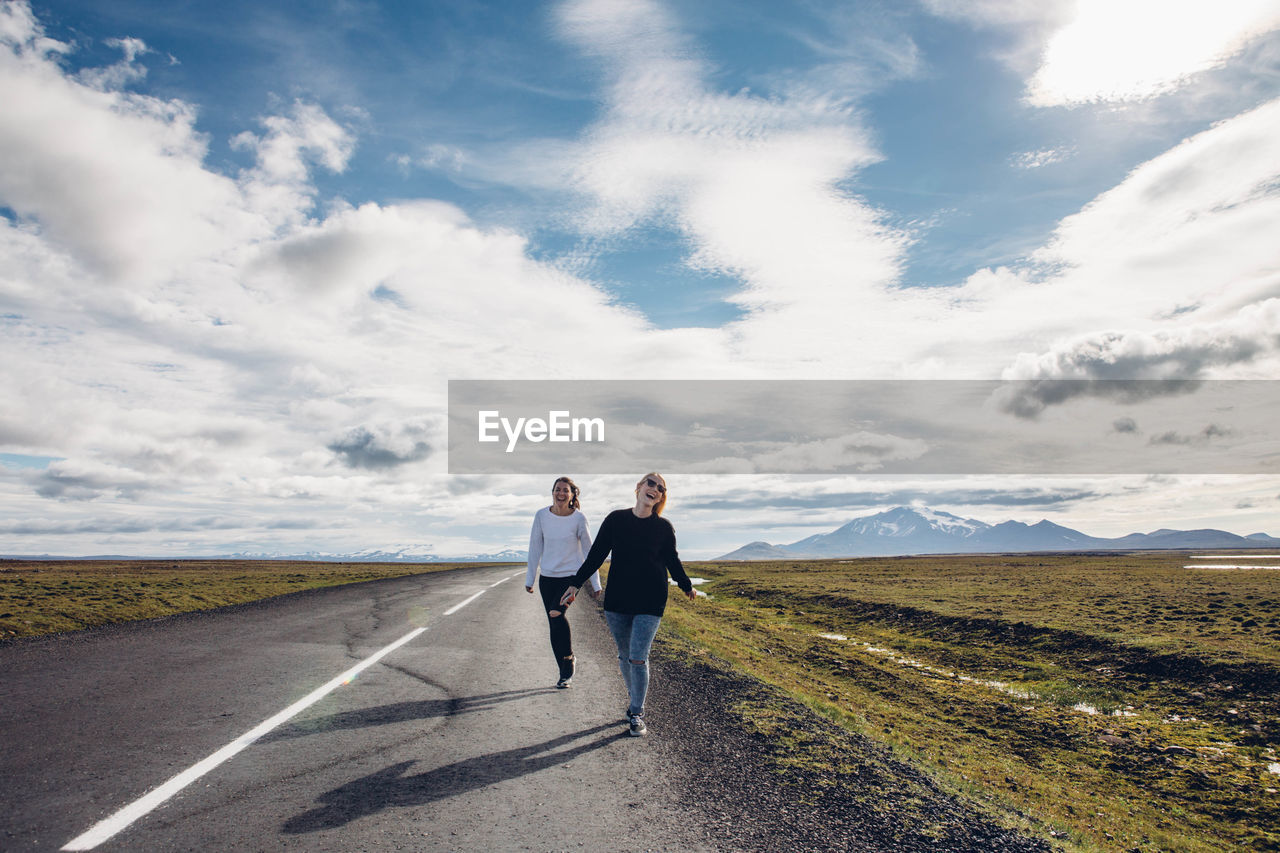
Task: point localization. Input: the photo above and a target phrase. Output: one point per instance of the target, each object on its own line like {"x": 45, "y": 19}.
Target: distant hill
{"x": 918, "y": 530}
{"x": 759, "y": 551}
{"x": 406, "y": 554}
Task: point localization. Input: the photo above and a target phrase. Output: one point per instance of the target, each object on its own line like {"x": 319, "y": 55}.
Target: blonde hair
{"x": 662, "y": 500}
{"x": 573, "y": 488}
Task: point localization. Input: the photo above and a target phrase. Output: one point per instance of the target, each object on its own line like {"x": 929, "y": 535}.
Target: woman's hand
{"x": 597, "y": 594}
{"x": 569, "y": 595}
{"x": 692, "y": 593}
{"x": 528, "y": 589}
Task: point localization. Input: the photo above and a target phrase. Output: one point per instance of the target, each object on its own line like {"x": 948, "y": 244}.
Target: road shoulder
{"x": 765, "y": 772}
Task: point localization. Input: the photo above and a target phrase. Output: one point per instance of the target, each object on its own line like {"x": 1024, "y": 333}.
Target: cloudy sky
{"x": 244, "y": 246}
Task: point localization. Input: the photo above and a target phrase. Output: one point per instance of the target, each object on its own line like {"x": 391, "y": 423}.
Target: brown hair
{"x": 662, "y": 499}
{"x": 573, "y": 487}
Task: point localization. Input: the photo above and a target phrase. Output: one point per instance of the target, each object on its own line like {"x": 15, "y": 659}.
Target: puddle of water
{"x": 1086, "y": 708}
{"x": 1234, "y": 557}
{"x": 1232, "y": 567}
{"x": 695, "y": 582}
{"x": 833, "y": 636}
{"x": 1274, "y": 767}
{"x": 1237, "y": 556}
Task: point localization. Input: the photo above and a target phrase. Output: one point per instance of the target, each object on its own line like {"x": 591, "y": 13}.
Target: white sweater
{"x": 559, "y": 544}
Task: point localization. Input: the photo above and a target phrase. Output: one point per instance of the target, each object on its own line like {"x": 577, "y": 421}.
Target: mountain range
{"x": 896, "y": 532}
{"x": 918, "y": 530}
{"x": 405, "y": 554}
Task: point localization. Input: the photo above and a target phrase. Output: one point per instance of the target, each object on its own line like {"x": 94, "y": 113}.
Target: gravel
{"x": 765, "y": 772}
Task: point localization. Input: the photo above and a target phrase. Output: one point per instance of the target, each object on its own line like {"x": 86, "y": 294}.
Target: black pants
{"x": 561, "y": 640}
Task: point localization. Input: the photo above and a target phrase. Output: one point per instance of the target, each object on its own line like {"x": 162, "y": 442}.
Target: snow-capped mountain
{"x": 919, "y": 530}
{"x": 890, "y": 531}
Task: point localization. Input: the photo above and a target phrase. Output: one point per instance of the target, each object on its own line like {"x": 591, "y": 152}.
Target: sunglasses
{"x": 654, "y": 484}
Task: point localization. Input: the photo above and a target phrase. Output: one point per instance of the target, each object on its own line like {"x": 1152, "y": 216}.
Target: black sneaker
{"x": 638, "y": 728}
{"x": 566, "y": 672}
{"x": 564, "y": 683}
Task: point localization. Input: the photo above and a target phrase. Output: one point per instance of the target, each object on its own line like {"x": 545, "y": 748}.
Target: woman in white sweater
{"x": 558, "y": 543}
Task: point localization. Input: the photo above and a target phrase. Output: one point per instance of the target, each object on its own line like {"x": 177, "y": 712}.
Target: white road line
{"x": 116, "y": 823}
{"x": 455, "y": 608}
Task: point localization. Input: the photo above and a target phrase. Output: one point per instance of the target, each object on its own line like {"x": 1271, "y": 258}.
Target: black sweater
{"x": 644, "y": 550}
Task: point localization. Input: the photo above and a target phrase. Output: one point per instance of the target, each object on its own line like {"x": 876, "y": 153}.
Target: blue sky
{"x": 241, "y": 235}
{"x": 427, "y": 87}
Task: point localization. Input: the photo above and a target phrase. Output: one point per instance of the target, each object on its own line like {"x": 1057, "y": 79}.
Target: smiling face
{"x": 651, "y": 492}
{"x": 562, "y": 493}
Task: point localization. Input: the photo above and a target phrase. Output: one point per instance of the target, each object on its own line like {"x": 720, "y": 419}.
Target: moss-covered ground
{"x": 1118, "y": 702}
{"x": 43, "y": 597}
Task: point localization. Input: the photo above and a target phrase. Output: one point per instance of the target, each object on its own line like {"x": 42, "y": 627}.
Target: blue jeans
{"x": 633, "y": 632}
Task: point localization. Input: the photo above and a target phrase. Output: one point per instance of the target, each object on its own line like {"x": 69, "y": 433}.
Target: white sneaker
{"x": 638, "y": 728}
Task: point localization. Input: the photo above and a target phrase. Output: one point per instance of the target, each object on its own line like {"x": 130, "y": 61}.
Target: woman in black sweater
{"x": 644, "y": 551}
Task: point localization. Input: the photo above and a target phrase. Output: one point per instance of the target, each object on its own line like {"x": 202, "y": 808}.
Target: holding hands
{"x": 572, "y": 593}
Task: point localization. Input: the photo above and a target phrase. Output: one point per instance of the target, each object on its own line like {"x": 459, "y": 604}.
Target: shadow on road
{"x": 399, "y": 712}
{"x": 390, "y": 787}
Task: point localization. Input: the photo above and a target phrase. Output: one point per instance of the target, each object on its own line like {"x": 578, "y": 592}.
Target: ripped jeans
{"x": 633, "y": 632}
{"x": 561, "y": 637}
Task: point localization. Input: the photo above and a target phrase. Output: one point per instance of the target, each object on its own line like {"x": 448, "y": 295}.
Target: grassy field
{"x": 1118, "y": 702}
{"x": 43, "y": 597}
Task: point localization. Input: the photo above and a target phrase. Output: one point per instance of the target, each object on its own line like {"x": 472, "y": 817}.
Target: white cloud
{"x": 210, "y": 338}
{"x": 858, "y": 49}
{"x": 1180, "y": 352}
{"x": 122, "y": 73}
{"x": 1179, "y": 255}
{"x": 1042, "y": 157}
{"x": 757, "y": 187}
{"x": 1028, "y": 24}
{"x": 87, "y": 480}
{"x": 1001, "y": 12}
{"x": 753, "y": 183}
{"x": 19, "y": 27}
{"x": 113, "y": 178}
{"x": 1119, "y": 51}
{"x": 1176, "y": 209}
{"x": 213, "y": 339}
{"x": 390, "y": 445}
{"x": 446, "y": 157}
{"x": 1114, "y": 51}
{"x": 278, "y": 187}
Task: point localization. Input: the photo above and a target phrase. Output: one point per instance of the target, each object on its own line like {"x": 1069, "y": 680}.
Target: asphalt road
{"x": 456, "y": 740}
